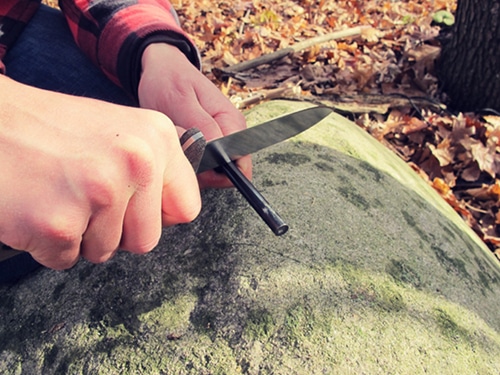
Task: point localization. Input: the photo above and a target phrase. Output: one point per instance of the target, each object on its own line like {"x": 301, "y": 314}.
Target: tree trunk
{"x": 469, "y": 66}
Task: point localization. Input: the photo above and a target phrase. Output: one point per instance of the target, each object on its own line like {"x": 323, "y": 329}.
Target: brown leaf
{"x": 471, "y": 173}
{"x": 443, "y": 153}
{"x": 484, "y": 156}
{"x": 444, "y": 190}
{"x": 413, "y": 126}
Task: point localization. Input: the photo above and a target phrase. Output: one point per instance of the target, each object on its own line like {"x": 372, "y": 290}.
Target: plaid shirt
{"x": 112, "y": 33}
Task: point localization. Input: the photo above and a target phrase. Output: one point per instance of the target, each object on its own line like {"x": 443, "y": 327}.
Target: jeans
{"x": 46, "y": 56}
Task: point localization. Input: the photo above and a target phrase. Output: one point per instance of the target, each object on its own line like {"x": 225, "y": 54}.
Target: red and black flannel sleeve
{"x": 114, "y": 33}
{"x": 14, "y": 15}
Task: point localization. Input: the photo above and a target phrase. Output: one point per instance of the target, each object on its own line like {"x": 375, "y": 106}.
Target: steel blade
{"x": 248, "y": 141}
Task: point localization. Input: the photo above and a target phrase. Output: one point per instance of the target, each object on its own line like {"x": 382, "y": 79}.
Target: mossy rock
{"x": 377, "y": 275}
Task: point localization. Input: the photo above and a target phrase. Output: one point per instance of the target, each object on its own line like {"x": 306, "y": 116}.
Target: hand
{"x": 172, "y": 85}
{"x": 81, "y": 177}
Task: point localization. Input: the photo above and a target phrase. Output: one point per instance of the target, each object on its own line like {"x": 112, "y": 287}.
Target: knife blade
{"x": 222, "y": 153}
{"x": 245, "y": 142}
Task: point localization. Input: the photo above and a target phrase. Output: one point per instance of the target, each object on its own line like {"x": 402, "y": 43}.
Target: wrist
{"x": 157, "y": 54}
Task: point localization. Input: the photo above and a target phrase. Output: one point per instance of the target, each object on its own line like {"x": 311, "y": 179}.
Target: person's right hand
{"x": 81, "y": 177}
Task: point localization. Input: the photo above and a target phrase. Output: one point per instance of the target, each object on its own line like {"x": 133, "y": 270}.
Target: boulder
{"x": 376, "y": 275}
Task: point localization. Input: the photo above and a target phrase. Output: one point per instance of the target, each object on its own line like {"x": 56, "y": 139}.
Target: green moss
{"x": 298, "y": 324}
{"x": 348, "y": 323}
{"x": 260, "y": 325}
{"x": 358, "y": 200}
{"x": 390, "y": 299}
{"x": 377, "y": 175}
{"x": 403, "y": 273}
{"x": 172, "y": 317}
{"x": 413, "y": 224}
{"x": 451, "y": 264}
{"x": 290, "y": 158}
{"x": 449, "y": 327}
{"x": 324, "y": 167}
{"x": 303, "y": 320}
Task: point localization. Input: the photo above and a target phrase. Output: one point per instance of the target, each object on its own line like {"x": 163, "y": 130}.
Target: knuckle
{"x": 63, "y": 233}
{"x": 101, "y": 189}
{"x": 159, "y": 127}
{"x": 143, "y": 155}
{"x": 138, "y": 157}
{"x": 56, "y": 242}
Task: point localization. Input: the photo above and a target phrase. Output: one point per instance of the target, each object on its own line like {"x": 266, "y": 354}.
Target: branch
{"x": 261, "y": 96}
{"x": 353, "y": 31}
{"x": 273, "y": 56}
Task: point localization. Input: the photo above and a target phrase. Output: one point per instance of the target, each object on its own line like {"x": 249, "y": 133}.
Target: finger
{"x": 103, "y": 235}
{"x": 170, "y": 195}
{"x": 245, "y": 165}
{"x": 213, "y": 179}
{"x": 66, "y": 258}
{"x": 142, "y": 220}
{"x": 180, "y": 131}
{"x": 227, "y": 117}
{"x": 181, "y": 200}
{"x": 197, "y": 117}
{"x": 55, "y": 241}
{"x": 144, "y": 164}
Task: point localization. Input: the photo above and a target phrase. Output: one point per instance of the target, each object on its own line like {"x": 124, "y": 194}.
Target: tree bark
{"x": 469, "y": 66}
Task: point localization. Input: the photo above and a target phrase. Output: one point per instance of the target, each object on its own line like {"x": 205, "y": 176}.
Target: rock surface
{"x": 377, "y": 275}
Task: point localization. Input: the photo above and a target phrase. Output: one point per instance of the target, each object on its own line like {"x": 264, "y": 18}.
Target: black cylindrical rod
{"x": 255, "y": 198}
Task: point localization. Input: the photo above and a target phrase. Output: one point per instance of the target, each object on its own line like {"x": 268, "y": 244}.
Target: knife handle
{"x": 255, "y": 198}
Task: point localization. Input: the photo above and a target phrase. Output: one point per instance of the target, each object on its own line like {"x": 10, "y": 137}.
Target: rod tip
{"x": 281, "y": 230}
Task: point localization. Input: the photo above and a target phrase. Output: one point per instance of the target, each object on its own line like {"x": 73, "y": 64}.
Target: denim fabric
{"x": 15, "y": 268}
{"x": 46, "y": 56}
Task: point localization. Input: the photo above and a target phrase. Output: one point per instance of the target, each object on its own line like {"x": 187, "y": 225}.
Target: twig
{"x": 260, "y": 96}
{"x": 328, "y": 37}
{"x": 273, "y": 56}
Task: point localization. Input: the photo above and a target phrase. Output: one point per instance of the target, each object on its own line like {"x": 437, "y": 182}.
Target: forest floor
{"x": 382, "y": 77}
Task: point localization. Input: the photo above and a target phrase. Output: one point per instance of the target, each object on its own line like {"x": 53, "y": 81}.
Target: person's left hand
{"x": 172, "y": 85}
